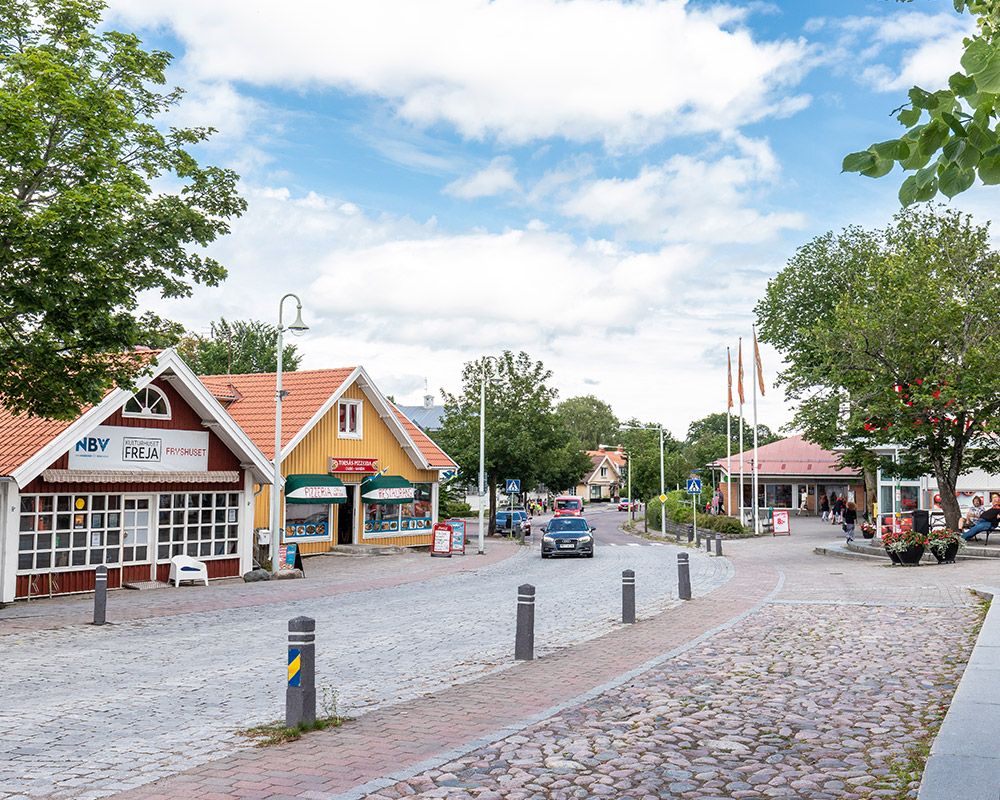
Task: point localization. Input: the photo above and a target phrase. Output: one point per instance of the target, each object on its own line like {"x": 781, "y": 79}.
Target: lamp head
{"x": 298, "y": 324}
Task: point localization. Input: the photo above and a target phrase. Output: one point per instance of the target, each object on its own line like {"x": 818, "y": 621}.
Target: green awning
{"x": 386, "y": 490}
{"x": 318, "y": 489}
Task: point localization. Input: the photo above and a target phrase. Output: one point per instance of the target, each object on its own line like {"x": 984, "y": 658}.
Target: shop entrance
{"x": 136, "y": 527}
{"x": 346, "y": 517}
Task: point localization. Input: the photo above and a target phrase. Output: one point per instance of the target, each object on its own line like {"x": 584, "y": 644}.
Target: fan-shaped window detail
{"x": 148, "y": 402}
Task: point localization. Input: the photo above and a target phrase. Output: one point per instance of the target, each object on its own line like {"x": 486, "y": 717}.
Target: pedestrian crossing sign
{"x": 694, "y": 486}
{"x": 513, "y": 487}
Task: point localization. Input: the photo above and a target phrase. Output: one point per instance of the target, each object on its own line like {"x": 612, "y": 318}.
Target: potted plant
{"x": 904, "y": 547}
{"x": 867, "y": 530}
{"x": 945, "y": 544}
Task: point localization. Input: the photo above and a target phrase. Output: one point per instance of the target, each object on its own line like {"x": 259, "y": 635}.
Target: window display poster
{"x": 441, "y": 541}
{"x": 457, "y": 535}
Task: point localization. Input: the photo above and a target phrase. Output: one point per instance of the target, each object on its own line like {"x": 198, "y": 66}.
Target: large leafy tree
{"x": 525, "y": 439}
{"x": 706, "y": 438}
{"x": 591, "y": 421}
{"x": 892, "y": 337}
{"x": 82, "y": 230}
{"x": 238, "y": 347}
{"x": 951, "y": 133}
{"x": 642, "y": 444}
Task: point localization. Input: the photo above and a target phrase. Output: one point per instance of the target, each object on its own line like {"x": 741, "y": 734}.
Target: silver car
{"x": 567, "y": 536}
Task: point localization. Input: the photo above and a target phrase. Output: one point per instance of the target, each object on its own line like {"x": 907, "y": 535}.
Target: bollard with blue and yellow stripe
{"x": 300, "y": 695}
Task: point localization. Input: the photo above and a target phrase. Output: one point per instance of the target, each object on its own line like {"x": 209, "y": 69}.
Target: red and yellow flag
{"x": 729, "y": 365}
{"x": 756, "y": 355}
{"x": 739, "y": 380}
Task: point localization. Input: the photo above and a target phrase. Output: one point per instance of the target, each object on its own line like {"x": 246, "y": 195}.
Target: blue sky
{"x": 605, "y": 185}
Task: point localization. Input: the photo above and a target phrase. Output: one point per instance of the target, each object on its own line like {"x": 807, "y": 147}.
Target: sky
{"x": 605, "y": 185}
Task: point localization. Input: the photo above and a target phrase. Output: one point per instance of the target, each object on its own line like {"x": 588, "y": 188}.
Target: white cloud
{"x": 625, "y": 73}
{"x": 497, "y": 178}
{"x": 688, "y": 199}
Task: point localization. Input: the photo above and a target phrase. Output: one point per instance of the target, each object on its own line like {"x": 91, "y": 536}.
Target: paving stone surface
{"x": 790, "y": 675}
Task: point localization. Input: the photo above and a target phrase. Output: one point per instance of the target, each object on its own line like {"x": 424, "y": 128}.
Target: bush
{"x": 678, "y": 507}
{"x": 455, "y": 508}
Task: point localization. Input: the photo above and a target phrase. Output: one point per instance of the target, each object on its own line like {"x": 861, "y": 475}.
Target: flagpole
{"x": 729, "y": 435}
{"x": 756, "y": 500}
{"x": 741, "y": 429}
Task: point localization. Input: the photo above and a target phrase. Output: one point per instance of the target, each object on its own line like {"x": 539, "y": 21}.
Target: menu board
{"x": 457, "y": 535}
{"x": 441, "y": 541}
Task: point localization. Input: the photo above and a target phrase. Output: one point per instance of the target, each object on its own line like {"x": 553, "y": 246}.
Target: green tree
{"x": 955, "y": 126}
{"x": 237, "y": 348}
{"x": 706, "y": 438}
{"x": 591, "y": 421}
{"x": 907, "y": 356}
{"x": 564, "y": 467}
{"x": 82, "y": 233}
{"x": 524, "y": 436}
{"x": 642, "y": 444}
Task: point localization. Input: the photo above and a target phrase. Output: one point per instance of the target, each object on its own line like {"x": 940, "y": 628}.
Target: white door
{"x": 137, "y": 522}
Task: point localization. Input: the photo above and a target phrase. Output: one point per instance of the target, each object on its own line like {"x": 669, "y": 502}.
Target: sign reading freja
{"x": 147, "y": 449}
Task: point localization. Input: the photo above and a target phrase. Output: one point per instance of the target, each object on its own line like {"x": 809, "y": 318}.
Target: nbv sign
{"x": 92, "y": 444}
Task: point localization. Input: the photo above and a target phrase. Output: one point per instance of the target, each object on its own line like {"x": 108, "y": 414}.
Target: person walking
{"x": 824, "y": 506}
{"x": 850, "y": 518}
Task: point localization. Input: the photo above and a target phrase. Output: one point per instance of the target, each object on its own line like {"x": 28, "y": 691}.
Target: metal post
{"x": 101, "y": 595}
{"x": 628, "y": 596}
{"x": 524, "y": 639}
{"x": 697, "y": 537}
{"x": 690, "y": 534}
{"x": 663, "y": 507}
{"x": 683, "y": 577}
{"x": 300, "y": 696}
{"x": 677, "y": 533}
{"x": 718, "y": 544}
{"x": 482, "y": 455}
{"x": 708, "y": 543}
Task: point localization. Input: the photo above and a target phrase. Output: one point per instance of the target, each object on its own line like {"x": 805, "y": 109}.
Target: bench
{"x": 185, "y": 568}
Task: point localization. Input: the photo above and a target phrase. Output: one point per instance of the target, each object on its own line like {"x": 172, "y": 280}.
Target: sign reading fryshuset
{"x": 146, "y": 449}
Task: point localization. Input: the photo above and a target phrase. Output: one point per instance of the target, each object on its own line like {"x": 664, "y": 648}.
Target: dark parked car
{"x": 520, "y": 516}
{"x": 567, "y": 536}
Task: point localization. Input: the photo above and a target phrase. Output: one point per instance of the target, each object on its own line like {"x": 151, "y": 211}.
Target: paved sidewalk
{"x": 801, "y": 677}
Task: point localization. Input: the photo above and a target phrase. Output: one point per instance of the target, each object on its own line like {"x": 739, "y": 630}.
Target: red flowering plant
{"x": 897, "y": 541}
{"x": 941, "y": 538}
{"x": 867, "y": 530}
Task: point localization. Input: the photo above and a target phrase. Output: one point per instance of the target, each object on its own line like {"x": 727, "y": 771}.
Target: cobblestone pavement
{"x": 801, "y": 677}
{"x": 125, "y": 704}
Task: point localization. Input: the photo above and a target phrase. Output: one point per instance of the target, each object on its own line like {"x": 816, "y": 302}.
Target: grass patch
{"x": 272, "y": 733}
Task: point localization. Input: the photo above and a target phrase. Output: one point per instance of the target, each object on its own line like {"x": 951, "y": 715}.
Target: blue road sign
{"x": 694, "y": 486}
{"x": 513, "y": 487}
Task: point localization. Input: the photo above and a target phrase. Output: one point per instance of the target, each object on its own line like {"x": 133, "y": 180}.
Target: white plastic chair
{"x": 185, "y": 568}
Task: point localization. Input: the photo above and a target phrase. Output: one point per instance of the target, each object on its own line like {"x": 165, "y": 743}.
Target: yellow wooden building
{"x": 356, "y": 470}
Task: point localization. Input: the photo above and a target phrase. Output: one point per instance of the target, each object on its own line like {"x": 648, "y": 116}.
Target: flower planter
{"x": 947, "y": 555}
{"x": 893, "y": 555}
{"x": 868, "y": 534}
{"x": 911, "y": 555}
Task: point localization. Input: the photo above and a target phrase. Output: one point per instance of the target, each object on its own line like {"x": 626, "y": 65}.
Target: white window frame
{"x": 357, "y": 434}
{"x": 146, "y": 412}
{"x": 604, "y": 472}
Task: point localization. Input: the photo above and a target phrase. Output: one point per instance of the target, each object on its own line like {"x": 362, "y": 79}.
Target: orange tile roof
{"x": 435, "y": 455}
{"x": 21, "y": 437}
{"x": 253, "y": 406}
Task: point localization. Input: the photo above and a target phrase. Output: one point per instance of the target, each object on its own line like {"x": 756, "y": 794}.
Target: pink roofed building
{"x": 791, "y": 473}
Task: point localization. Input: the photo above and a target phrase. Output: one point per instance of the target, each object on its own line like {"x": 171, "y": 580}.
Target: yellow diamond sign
{"x": 663, "y": 498}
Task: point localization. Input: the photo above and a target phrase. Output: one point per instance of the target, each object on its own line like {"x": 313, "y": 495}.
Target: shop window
{"x": 778, "y": 495}
{"x": 350, "y": 419}
{"x": 307, "y": 522}
{"x": 148, "y": 402}
{"x": 87, "y": 532}
{"x": 197, "y": 525}
{"x": 404, "y": 518}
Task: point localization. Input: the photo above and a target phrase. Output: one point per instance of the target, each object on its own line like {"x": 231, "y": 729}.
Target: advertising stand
{"x": 441, "y": 540}
{"x": 458, "y": 535}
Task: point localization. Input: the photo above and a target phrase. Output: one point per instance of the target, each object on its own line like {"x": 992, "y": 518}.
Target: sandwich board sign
{"x": 441, "y": 540}
{"x": 457, "y": 535}
{"x": 781, "y": 523}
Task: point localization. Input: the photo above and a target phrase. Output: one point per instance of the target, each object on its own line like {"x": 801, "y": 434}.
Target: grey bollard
{"x": 520, "y": 534}
{"x": 677, "y": 533}
{"x": 524, "y": 640}
{"x": 683, "y": 577}
{"x": 101, "y": 595}
{"x": 300, "y": 696}
{"x": 718, "y": 544}
{"x": 690, "y": 533}
{"x": 628, "y": 596}
{"x": 708, "y": 543}
{"x": 697, "y": 539}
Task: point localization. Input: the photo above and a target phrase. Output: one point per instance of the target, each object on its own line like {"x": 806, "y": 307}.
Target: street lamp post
{"x": 276, "y": 526}
{"x": 663, "y": 514}
{"x": 482, "y": 449}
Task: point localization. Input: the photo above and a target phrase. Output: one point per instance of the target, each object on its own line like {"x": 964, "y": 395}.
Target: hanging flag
{"x": 739, "y": 380}
{"x": 756, "y": 355}
{"x": 729, "y": 366}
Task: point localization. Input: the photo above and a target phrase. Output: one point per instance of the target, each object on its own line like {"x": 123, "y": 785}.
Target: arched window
{"x": 148, "y": 402}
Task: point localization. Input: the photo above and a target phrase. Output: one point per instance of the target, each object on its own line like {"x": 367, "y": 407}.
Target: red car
{"x": 623, "y": 505}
